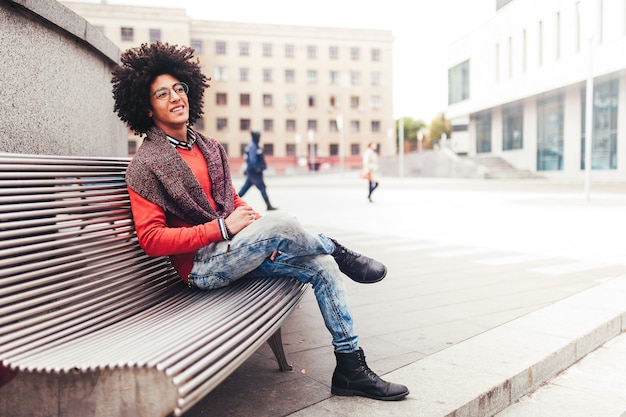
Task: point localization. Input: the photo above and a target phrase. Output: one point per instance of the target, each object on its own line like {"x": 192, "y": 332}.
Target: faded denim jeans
{"x": 303, "y": 256}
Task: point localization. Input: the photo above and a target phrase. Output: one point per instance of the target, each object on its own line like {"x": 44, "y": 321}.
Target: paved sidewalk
{"x": 594, "y": 387}
{"x": 494, "y": 287}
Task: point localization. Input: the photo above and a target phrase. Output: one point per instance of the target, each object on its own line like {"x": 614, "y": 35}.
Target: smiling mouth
{"x": 177, "y": 108}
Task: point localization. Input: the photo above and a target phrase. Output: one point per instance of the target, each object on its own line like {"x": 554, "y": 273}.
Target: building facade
{"x": 317, "y": 95}
{"x": 518, "y": 87}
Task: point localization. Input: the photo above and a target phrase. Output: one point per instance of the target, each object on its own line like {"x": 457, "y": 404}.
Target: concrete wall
{"x": 55, "y": 73}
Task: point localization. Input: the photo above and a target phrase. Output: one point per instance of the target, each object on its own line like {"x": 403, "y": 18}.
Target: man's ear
{"x": 150, "y": 114}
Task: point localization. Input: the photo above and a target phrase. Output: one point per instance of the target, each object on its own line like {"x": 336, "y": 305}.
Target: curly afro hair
{"x": 140, "y": 66}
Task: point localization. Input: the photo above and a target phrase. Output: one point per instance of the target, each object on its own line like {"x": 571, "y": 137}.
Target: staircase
{"x": 497, "y": 168}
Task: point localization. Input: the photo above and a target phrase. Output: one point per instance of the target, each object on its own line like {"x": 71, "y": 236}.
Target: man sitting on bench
{"x": 184, "y": 206}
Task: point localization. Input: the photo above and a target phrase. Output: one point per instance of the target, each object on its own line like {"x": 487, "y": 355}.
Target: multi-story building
{"x": 517, "y": 87}
{"x": 317, "y": 95}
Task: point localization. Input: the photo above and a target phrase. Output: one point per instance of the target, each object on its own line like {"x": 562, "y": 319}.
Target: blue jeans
{"x": 303, "y": 256}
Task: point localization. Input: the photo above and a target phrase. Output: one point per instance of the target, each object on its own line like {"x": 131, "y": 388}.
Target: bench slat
{"x": 80, "y": 299}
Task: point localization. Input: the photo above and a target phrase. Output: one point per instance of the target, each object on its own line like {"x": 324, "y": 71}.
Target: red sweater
{"x": 162, "y": 234}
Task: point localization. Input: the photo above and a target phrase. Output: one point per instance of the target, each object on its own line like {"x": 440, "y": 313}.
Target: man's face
{"x": 170, "y": 112}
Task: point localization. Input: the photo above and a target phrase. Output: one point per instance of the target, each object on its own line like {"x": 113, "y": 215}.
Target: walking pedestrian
{"x": 255, "y": 165}
{"x": 371, "y": 169}
{"x": 184, "y": 206}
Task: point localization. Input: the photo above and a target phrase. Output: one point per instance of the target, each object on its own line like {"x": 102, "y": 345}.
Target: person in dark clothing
{"x": 255, "y": 165}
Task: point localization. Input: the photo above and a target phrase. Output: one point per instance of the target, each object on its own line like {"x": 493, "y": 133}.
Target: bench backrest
{"x": 69, "y": 258}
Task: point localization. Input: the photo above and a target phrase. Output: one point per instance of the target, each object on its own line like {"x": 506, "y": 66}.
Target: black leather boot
{"x": 359, "y": 268}
{"x": 352, "y": 377}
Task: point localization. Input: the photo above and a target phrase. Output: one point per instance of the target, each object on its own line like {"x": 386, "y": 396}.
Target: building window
{"x": 311, "y": 76}
{"x": 290, "y": 149}
{"x": 483, "y": 132}
{"x": 311, "y": 100}
{"x": 220, "y": 48}
{"x": 497, "y": 57}
{"x": 267, "y": 49}
{"x": 268, "y": 149}
{"x": 311, "y": 51}
{"x": 355, "y": 126}
{"x": 458, "y": 83}
{"x": 128, "y": 34}
{"x": 244, "y": 125}
{"x": 196, "y": 44}
{"x": 290, "y": 76}
{"x": 132, "y": 147}
{"x": 244, "y": 49}
{"x": 268, "y": 101}
{"x": 199, "y": 125}
{"x": 311, "y": 125}
{"x": 355, "y": 78}
{"x": 355, "y": 149}
{"x": 377, "y": 102}
{"x": 332, "y": 125}
{"x": 375, "y": 54}
{"x": 354, "y": 102}
{"x": 333, "y": 149}
{"x": 290, "y": 101}
{"x": 375, "y": 78}
{"x": 244, "y": 100}
{"x": 510, "y": 63}
{"x": 268, "y": 125}
{"x": 290, "y": 125}
{"x": 524, "y": 50}
{"x": 332, "y": 102}
{"x": 334, "y": 77}
{"x": 558, "y": 36}
{"x": 268, "y": 75}
{"x": 244, "y": 74}
{"x": 604, "y": 133}
{"x": 355, "y": 54}
{"x": 220, "y": 99}
{"x": 375, "y": 126}
{"x": 222, "y": 124}
{"x": 221, "y": 74}
{"x": 540, "y": 44}
{"x": 513, "y": 127}
{"x": 550, "y": 134}
{"x": 155, "y": 35}
{"x": 333, "y": 52}
{"x": 290, "y": 51}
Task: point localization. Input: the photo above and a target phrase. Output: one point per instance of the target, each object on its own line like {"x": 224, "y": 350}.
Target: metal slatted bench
{"x": 89, "y": 324}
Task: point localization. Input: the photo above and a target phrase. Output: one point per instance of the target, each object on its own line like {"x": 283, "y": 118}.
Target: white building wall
{"x": 535, "y": 47}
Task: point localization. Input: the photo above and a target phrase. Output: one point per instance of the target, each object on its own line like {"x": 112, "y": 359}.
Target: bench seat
{"x": 89, "y": 324}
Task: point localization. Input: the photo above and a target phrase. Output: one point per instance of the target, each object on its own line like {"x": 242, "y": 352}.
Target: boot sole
{"x": 373, "y": 282}
{"x": 351, "y": 393}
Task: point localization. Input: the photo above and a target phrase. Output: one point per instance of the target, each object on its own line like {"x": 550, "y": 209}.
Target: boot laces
{"x": 366, "y": 369}
{"x": 346, "y": 255}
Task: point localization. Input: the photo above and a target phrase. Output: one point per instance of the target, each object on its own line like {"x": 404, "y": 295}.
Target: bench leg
{"x": 276, "y": 343}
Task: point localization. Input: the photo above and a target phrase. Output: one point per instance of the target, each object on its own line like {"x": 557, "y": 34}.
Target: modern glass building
{"x": 518, "y": 87}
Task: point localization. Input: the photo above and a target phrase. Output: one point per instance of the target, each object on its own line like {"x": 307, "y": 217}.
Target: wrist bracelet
{"x": 223, "y": 229}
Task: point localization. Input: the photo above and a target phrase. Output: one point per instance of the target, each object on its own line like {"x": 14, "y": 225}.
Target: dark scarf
{"x": 159, "y": 174}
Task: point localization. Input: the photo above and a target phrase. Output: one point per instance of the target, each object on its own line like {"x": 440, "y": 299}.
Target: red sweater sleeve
{"x": 160, "y": 236}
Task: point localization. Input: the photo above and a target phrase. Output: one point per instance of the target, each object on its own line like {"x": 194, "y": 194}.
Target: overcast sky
{"x": 422, "y": 29}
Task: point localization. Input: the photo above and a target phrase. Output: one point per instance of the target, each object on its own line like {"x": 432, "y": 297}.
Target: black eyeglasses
{"x": 164, "y": 93}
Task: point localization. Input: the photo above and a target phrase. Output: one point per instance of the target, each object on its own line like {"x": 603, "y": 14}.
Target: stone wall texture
{"x": 55, "y": 78}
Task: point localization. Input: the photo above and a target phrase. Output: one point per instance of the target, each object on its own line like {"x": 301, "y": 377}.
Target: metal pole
{"x": 342, "y": 148}
{"x": 401, "y": 147}
{"x": 589, "y": 122}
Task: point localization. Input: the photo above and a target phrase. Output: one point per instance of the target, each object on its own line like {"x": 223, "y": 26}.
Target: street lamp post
{"x": 342, "y": 149}
{"x": 311, "y": 136}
